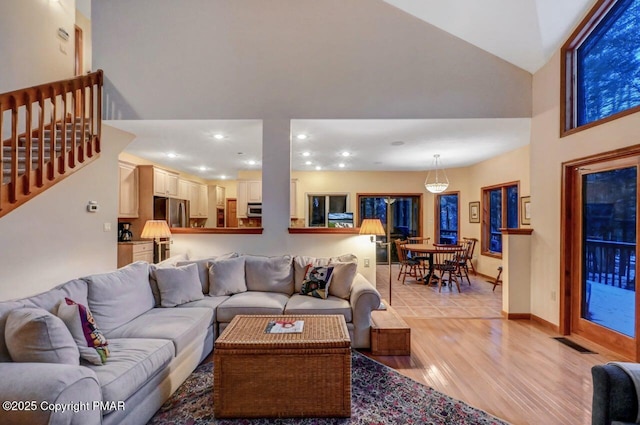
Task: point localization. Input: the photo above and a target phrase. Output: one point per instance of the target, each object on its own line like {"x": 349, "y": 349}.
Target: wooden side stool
{"x": 390, "y": 334}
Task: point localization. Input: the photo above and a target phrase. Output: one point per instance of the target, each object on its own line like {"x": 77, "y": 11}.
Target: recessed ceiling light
{"x": 301, "y": 136}
{"x": 223, "y": 177}
{"x": 251, "y": 162}
{"x": 345, "y": 153}
{"x": 218, "y": 136}
{"x": 341, "y": 165}
{"x": 172, "y": 155}
{"x": 308, "y": 163}
{"x": 306, "y": 153}
{"x": 318, "y": 167}
{"x": 203, "y": 168}
{"x": 397, "y": 143}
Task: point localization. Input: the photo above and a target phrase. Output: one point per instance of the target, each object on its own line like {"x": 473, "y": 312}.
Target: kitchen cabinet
{"x": 130, "y": 252}
{"x": 216, "y": 208}
{"x": 128, "y": 194}
{"x": 241, "y": 195}
{"x": 199, "y": 200}
{"x": 165, "y": 183}
{"x": 248, "y": 191}
{"x": 254, "y": 191}
{"x": 183, "y": 189}
{"x": 220, "y": 196}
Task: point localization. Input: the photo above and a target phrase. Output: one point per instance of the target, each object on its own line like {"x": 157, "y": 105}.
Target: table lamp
{"x": 156, "y": 229}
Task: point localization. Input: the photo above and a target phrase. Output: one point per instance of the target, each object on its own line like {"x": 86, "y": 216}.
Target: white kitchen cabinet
{"x": 254, "y": 191}
{"x": 293, "y": 198}
{"x": 183, "y": 189}
{"x": 165, "y": 183}
{"x": 220, "y": 196}
{"x": 241, "y": 205}
{"x": 129, "y": 187}
{"x": 203, "y": 201}
{"x": 198, "y": 200}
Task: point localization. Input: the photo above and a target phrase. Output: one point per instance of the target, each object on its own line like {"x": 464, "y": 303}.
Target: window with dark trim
{"x": 447, "y": 218}
{"x": 601, "y": 66}
{"x": 499, "y": 210}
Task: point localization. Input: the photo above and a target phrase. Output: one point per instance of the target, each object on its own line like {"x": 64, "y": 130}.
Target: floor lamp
{"x": 373, "y": 227}
{"x": 156, "y": 229}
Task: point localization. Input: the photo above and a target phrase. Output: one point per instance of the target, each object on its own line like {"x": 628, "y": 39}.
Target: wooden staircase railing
{"x": 47, "y": 132}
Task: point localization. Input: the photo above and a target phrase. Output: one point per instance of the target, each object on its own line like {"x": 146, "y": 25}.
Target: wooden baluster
{"x": 13, "y": 179}
{"x": 28, "y": 157}
{"x": 73, "y": 153}
{"x": 91, "y": 122}
{"x": 53, "y": 144}
{"x": 83, "y": 132}
{"x": 40, "y": 172}
{"x": 63, "y": 142}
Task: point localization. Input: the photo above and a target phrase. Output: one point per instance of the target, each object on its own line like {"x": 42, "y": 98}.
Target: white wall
{"x": 52, "y": 238}
{"x": 548, "y": 152}
{"x": 29, "y": 44}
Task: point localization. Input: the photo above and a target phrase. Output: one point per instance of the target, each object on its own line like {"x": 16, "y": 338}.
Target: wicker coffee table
{"x": 306, "y": 374}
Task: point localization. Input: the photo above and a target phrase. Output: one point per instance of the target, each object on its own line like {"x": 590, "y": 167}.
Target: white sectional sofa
{"x": 160, "y": 322}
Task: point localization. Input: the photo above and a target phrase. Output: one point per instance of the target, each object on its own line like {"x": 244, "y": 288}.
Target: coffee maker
{"x": 124, "y": 234}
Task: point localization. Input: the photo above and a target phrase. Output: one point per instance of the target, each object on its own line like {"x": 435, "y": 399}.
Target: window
{"x": 601, "y": 67}
{"x": 447, "y": 222}
{"x": 322, "y": 205}
{"x": 500, "y": 210}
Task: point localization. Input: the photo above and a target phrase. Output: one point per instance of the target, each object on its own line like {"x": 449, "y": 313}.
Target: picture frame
{"x": 525, "y": 210}
{"x": 474, "y": 212}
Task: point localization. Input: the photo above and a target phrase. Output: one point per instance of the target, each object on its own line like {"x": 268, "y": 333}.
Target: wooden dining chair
{"x": 422, "y": 258}
{"x": 446, "y": 261}
{"x": 463, "y": 271}
{"x": 408, "y": 266}
{"x": 469, "y": 255}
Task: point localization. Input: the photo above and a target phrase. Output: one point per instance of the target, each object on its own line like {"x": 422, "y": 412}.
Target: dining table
{"x": 427, "y": 249}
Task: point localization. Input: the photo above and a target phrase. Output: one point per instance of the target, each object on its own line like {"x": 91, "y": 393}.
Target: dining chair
{"x": 469, "y": 255}
{"x": 408, "y": 266}
{"x": 467, "y": 245}
{"x": 498, "y": 280}
{"x": 446, "y": 261}
{"x": 422, "y": 258}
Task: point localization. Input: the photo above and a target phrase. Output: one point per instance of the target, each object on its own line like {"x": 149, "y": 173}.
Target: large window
{"x": 447, "y": 218}
{"x": 500, "y": 210}
{"x": 323, "y": 208}
{"x": 601, "y": 69}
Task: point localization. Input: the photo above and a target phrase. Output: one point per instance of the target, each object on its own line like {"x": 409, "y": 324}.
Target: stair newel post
{"x": 13, "y": 176}
{"x": 41, "y": 144}
{"x": 99, "y": 116}
{"x": 28, "y": 147}
{"x": 2, "y": 186}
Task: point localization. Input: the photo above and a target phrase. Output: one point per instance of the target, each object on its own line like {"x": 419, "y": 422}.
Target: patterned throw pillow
{"x": 92, "y": 344}
{"x": 316, "y": 281}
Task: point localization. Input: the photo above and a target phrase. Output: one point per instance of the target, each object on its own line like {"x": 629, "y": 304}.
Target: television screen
{"x": 340, "y": 219}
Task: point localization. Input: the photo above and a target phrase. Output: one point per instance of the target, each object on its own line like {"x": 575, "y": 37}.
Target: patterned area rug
{"x": 379, "y": 395}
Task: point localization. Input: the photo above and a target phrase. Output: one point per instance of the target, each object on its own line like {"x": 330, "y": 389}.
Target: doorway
{"x": 232, "y": 212}
{"x": 447, "y": 218}
{"x": 600, "y": 251}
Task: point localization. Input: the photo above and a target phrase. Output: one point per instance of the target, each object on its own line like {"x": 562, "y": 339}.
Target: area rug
{"x": 379, "y": 395}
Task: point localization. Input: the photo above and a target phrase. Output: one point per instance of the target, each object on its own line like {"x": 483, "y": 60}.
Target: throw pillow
{"x": 226, "y": 276}
{"x": 317, "y": 281}
{"x": 203, "y": 268}
{"x": 178, "y": 285}
{"x": 269, "y": 274}
{"x": 342, "y": 280}
{"x": 90, "y": 341}
{"x": 35, "y": 335}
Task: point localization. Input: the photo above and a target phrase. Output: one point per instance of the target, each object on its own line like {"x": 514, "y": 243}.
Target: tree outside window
{"x": 500, "y": 210}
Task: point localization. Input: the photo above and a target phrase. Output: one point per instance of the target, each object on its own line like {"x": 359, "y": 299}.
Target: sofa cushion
{"x": 117, "y": 297}
{"x": 252, "y": 302}
{"x": 178, "y": 285}
{"x": 92, "y": 344}
{"x": 180, "y": 325}
{"x": 131, "y": 364}
{"x": 317, "y": 281}
{"x": 203, "y": 268}
{"x": 207, "y": 302}
{"x": 342, "y": 280}
{"x": 75, "y": 289}
{"x": 227, "y": 276}
{"x": 269, "y": 274}
{"x": 35, "y": 335}
{"x": 302, "y": 304}
{"x": 5, "y": 308}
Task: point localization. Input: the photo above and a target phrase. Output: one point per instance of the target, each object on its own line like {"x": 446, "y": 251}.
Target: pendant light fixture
{"x": 437, "y": 181}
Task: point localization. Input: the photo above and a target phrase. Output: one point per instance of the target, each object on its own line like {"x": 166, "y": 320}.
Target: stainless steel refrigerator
{"x": 174, "y": 211}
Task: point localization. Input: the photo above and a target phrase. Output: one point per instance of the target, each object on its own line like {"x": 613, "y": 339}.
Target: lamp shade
{"x": 155, "y": 229}
{"x": 372, "y": 226}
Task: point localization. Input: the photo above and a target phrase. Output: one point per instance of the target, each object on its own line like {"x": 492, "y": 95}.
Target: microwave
{"x": 254, "y": 209}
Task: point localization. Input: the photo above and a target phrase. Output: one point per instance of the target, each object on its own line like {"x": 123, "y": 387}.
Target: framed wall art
{"x": 474, "y": 212}
{"x": 525, "y": 210}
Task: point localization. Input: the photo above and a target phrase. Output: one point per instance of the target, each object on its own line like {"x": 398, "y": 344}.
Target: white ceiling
{"x": 525, "y": 33}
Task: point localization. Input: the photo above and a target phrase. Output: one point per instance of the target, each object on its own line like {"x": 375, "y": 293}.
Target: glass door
{"x": 448, "y": 223}
{"x": 604, "y": 295}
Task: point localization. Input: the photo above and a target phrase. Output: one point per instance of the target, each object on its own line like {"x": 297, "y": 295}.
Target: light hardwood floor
{"x": 513, "y": 369}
